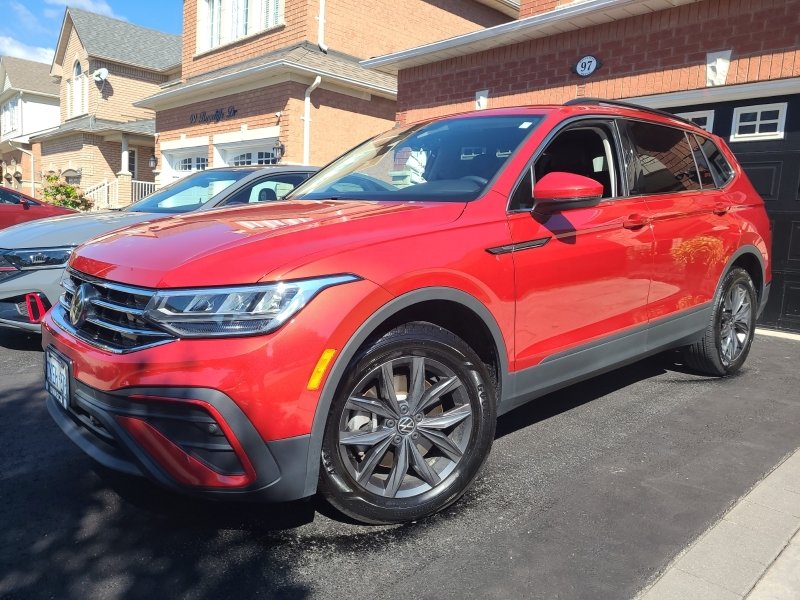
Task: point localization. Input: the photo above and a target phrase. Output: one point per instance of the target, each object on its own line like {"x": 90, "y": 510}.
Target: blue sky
{"x": 29, "y": 28}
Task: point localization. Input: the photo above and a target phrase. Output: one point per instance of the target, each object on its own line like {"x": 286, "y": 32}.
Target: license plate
{"x": 57, "y": 378}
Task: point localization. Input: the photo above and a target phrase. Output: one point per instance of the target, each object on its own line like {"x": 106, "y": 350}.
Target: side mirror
{"x": 559, "y": 191}
{"x": 26, "y": 204}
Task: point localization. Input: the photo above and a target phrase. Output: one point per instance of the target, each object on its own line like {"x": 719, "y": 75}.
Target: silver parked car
{"x": 33, "y": 255}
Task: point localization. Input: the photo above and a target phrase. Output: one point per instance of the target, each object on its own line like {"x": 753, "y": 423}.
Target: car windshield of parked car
{"x": 189, "y": 193}
{"x": 451, "y": 160}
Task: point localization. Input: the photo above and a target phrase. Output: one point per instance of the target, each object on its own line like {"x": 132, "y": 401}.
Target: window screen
{"x": 665, "y": 162}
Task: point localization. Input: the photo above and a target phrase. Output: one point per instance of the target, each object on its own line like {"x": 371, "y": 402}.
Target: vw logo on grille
{"x": 405, "y": 425}
{"x": 81, "y": 303}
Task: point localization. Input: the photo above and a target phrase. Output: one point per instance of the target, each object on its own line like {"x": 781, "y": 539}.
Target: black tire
{"x": 726, "y": 342}
{"x": 377, "y": 434}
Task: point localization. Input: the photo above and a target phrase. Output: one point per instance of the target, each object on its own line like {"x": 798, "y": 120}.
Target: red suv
{"x": 362, "y": 337}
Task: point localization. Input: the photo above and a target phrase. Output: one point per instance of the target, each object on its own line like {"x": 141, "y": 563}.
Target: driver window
{"x": 586, "y": 150}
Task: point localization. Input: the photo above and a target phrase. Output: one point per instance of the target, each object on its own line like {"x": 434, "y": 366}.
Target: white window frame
{"x": 779, "y": 134}
{"x": 77, "y": 92}
{"x": 699, "y": 114}
{"x": 9, "y": 119}
{"x": 223, "y": 22}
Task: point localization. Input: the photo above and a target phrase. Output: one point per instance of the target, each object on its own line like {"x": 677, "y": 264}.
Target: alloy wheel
{"x": 405, "y": 427}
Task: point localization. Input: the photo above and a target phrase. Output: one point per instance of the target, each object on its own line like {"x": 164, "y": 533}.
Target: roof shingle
{"x": 29, "y": 76}
{"x": 126, "y": 43}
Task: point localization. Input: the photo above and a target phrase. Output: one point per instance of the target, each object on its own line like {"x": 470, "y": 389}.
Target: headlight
{"x": 32, "y": 259}
{"x": 234, "y": 311}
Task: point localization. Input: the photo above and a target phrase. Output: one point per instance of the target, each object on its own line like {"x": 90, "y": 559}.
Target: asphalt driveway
{"x": 588, "y": 493}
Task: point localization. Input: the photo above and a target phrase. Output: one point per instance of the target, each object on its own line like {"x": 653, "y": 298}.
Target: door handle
{"x": 635, "y": 221}
{"x": 721, "y": 209}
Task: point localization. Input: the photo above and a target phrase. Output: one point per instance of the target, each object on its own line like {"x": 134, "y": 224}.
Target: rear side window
{"x": 707, "y": 179}
{"x": 719, "y": 166}
{"x": 664, "y": 159}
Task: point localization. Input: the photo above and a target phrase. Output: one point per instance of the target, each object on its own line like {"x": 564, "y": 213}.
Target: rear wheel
{"x": 411, "y": 425}
{"x": 729, "y": 335}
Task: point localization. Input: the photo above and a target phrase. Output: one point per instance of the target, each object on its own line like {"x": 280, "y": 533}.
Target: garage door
{"x": 764, "y": 134}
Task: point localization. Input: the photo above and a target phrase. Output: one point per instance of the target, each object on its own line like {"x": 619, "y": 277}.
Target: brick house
{"x": 731, "y": 66}
{"x": 103, "y": 142}
{"x": 28, "y": 105}
{"x": 268, "y": 80}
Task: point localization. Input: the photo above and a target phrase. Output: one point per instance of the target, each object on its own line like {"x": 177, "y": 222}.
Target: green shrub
{"x": 57, "y": 191}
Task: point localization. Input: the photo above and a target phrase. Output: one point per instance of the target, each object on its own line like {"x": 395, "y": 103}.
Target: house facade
{"x": 103, "y": 142}
{"x": 733, "y": 67}
{"x": 279, "y": 80}
{"x": 29, "y": 105}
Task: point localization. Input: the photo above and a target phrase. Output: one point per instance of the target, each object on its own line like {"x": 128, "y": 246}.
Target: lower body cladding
{"x": 193, "y": 441}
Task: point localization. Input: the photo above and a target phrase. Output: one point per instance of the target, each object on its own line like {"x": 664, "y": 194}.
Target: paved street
{"x": 589, "y": 493}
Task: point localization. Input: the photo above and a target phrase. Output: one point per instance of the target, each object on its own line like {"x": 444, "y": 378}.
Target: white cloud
{"x": 101, "y": 7}
{"x": 26, "y": 18}
{"x": 11, "y": 47}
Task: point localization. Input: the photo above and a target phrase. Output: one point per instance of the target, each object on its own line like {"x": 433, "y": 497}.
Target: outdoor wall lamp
{"x": 277, "y": 151}
{"x": 152, "y": 162}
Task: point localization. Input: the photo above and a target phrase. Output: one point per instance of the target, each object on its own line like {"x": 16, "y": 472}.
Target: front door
{"x": 582, "y": 275}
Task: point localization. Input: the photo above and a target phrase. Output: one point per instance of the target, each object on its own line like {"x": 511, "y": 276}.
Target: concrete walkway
{"x": 753, "y": 552}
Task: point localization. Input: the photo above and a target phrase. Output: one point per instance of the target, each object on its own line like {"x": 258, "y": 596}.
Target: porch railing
{"x": 140, "y": 189}
{"x": 104, "y": 195}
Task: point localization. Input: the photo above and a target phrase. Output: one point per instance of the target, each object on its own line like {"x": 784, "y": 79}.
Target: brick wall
{"x": 363, "y": 29}
{"x": 97, "y": 159}
{"x": 73, "y": 52}
{"x": 366, "y": 28}
{"x": 650, "y": 54}
{"x": 113, "y": 100}
{"x": 338, "y": 121}
{"x": 255, "y": 108}
{"x": 294, "y": 30}
{"x": 535, "y": 7}
{"x": 23, "y": 166}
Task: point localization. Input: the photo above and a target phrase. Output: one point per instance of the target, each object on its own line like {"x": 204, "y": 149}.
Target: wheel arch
{"x": 750, "y": 259}
{"x": 449, "y": 308}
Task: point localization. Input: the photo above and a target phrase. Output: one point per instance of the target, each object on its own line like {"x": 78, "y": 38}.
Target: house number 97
{"x": 587, "y": 65}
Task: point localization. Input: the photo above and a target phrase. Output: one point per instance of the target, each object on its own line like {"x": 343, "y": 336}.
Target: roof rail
{"x": 603, "y": 101}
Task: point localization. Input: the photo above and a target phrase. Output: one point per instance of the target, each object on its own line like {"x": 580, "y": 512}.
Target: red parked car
{"x": 16, "y": 207}
{"x": 362, "y": 337}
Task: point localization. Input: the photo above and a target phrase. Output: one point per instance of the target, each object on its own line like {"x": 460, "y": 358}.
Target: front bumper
{"x": 44, "y": 282}
{"x": 246, "y": 466}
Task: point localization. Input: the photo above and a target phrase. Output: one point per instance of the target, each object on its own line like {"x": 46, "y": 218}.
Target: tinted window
{"x": 7, "y": 197}
{"x": 703, "y": 170}
{"x": 720, "y": 168}
{"x": 266, "y": 190}
{"x": 189, "y": 193}
{"x": 664, "y": 160}
{"x": 586, "y": 150}
{"x": 449, "y": 160}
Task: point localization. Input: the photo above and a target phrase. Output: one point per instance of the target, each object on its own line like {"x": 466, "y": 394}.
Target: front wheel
{"x": 409, "y": 428}
{"x": 729, "y": 335}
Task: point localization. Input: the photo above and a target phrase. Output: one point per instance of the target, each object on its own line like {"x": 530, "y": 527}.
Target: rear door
{"x": 693, "y": 233}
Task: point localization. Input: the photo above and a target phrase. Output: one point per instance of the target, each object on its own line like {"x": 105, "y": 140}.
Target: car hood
{"x": 68, "y": 230}
{"x": 245, "y": 245}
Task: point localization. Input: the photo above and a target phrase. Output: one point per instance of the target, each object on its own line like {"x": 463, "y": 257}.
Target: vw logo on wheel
{"x": 405, "y": 425}
{"x": 81, "y": 303}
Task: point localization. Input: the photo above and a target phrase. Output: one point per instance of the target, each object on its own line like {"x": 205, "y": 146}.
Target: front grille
{"x": 115, "y": 318}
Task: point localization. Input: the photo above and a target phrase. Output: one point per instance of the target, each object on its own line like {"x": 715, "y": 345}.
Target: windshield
{"x": 450, "y": 160}
{"x": 188, "y": 193}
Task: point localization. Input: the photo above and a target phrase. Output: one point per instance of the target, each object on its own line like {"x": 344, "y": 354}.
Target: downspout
{"x": 307, "y": 119}
{"x": 33, "y": 166}
{"x": 321, "y": 27}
